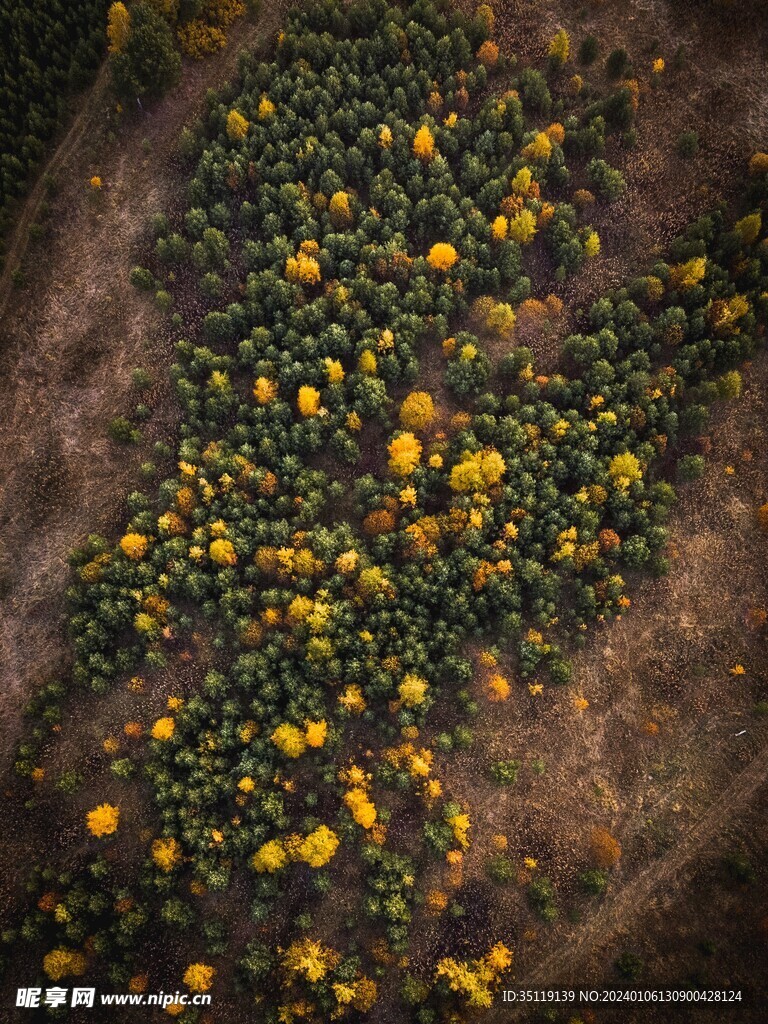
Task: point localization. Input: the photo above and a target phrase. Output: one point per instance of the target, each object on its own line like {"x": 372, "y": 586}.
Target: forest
{"x": 423, "y": 459}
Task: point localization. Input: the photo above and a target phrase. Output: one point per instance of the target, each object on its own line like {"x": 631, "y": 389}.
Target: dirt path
{"x": 563, "y": 966}
{"x": 19, "y": 240}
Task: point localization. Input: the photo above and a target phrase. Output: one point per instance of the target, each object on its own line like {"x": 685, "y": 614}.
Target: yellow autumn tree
{"x": 339, "y": 210}
{"x": 315, "y": 733}
{"x": 61, "y": 962}
{"x": 134, "y": 545}
{"x": 360, "y": 807}
{"x": 166, "y": 853}
{"x": 624, "y": 469}
{"x": 417, "y": 410}
{"x": 265, "y": 390}
{"x": 412, "y": 690}
{"x": 521, "y": 182}
{"x": 309, "y": 959}
{"x": 748, "y": 228}
{"x": 199, "y": 977}
{"x": 687, "y": 275}
{"x": 237, "y": 125}
{"x": 404, "y": 454}
{"x": 270, "y": 857}
{"x": 424, "y": 144}
{"x": 477, "y": 471}
{"x": 103, "y": 820}
{"x": 560, "y": 47}
{"x": 442, "y": 256}
{"x": 317, "y": 848}
{"x": 118, "y": 27}
{"x": 500, "y": 228}
{"x": 289, "y": 739}
{"x": 308, "y": 400}
{"x": 222, "y": 552}
{"x": 522, "y": 227}
{"x": 592, "y": 245}
{"x": 266, "y": 108}
{"x": 539, "y": 149}
{"x": 501, "y": 319}
{"x": 163, "y": 728}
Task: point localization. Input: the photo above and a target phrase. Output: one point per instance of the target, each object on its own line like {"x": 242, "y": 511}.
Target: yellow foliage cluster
{"x": 61, "y": 962}
{"x": 417, "y": 410}
{"x": 592, "y": 245}
{"x": 424, "y": 144}
{"x": 163, "y": 729}
{"x": 198, "y": 39}
{"x": 624, "y": 469}
{"x": 360, "y": 807}
{"x": 539, "y": 149}
{"x": 748, "y": 228}
{"x": 292, "y": 741}
{"x": 134, "y": 545}
{"x": 367, "y": 363}
{"x": 266, "y": 108}
{"x": 442, "y": 256}
{"x": 522, "y": 181}
{"x": 474, "y": 980}
{"x": 288, "y": 562}
{"x": 237, "y": 125}
{"x": 270, "y": 857}
{"x": 265, "y": 390}
{"x": 477, "y": 471}
{"x": 498, "y": 688}
{"x": 118, "y": 28}
{"x": 385, "y": 136}
{"x": 522, "y": 227}
{"x": 500, "y": 319}
{"x": 352, "y": 699}
{"x": 289, "y": 739}
{"x": 412, "y": 690}
{"x": 309, "y": 959}
{"x": 461, "y": 825}
{"x": 499, "y": 228}
{"x": 339, "y": 210}
{"x": 166, "y": 853}
{"x": 687, "y": 275}
{"x": 334, "y": 370}
{"x": 404, "y": 454}
{"x": 315, "y": 849}
{"x": 308, "y": 400}
{"x": 560, "y": 47}
{"x": 199, "y": 977}
{"x": 724, "y": 314}
{"x": 318, "y": 847}
{"x": 303, "y": 268}
{"x": 222, "y": 552}
{"x": 103, "y": 820}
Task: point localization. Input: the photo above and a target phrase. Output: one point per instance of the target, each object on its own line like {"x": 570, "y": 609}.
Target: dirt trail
{"x": 568, "y": 964}
{"x": 68, "y": 147}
